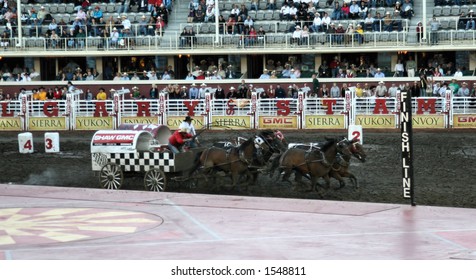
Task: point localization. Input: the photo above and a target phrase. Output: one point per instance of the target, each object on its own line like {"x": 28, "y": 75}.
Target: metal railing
{"x": 269, "y": 41}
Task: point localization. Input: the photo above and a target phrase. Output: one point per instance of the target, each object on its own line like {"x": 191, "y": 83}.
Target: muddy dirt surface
{"x": 444, "y": 167}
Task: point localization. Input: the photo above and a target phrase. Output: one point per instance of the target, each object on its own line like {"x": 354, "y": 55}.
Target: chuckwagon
{"x": 136, "y": 150}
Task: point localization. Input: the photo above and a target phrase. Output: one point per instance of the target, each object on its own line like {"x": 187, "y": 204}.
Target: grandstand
{"x": 178, "y": 36}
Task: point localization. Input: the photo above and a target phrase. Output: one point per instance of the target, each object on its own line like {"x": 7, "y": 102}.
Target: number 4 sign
{"x": 25, "y": 143}
{"x": 355, "y": 131}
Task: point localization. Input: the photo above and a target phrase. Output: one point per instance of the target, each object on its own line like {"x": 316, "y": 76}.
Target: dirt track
{"x": 444, "y": 167}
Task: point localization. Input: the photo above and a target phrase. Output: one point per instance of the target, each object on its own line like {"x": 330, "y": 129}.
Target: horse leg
{"x": 353, "y": 179}
{"x": 287, "y": 174}
{"x": 339, "y": 178}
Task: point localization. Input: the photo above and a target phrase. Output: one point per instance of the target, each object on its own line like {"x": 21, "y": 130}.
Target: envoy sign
{"x": 281, "y": 122}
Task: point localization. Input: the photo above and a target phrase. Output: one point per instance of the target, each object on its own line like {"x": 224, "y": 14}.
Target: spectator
{"x": 436, "y": 89}
{"x": 337, "y": 11}
{"x": 5, "y": 40}
{"x": 296, "y": 37}
{"x": 210, "y": 14}
{"x": 379, "y": 74}
{"x": 135, "y": 77}
{"x": 470, "y": 20}
{"x": 434, "y": 27}
{"x": 97, "y": 13}
{"x": 411, "y": 66}
{"x": 345, "y": 10}
{"x": 335, "y": 91}
{"x": 369, "y": 22}
{"x": 399, "y": 68}
{"x": 349, "y": 34}
{"x": 326, "y": 22}
{"x": 387, "y": 22}
{"x": 280, "y": 92}
{"x": 381, "y": 90}
{"x": 265, "y": 75}
{"x": 193, "y": 92}
{"x": 363, "y": 10}
{"x": 458, "y": 73}
{"x": 463, "y": 90}
{"x": 324, "y": 92}
{"x": 392, "y": 90}
{"x": 248, "y": 22}
{"x": 354, "y": 10}
{"x": 359, "y": 34}
{"x": 101, "y": 95}
{"x": 154, "y": 92}
{"x": 407, "y": 10}
{"x": 454, "y": 86}
{"x": 316, "y": 24}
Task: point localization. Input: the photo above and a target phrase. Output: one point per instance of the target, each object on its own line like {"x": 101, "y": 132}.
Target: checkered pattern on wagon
{"x": 144, "y": 161}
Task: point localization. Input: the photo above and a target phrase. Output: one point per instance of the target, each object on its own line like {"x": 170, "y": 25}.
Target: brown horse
{"x": 235, "y": 161}
{"x": 340, "y": 168}
{"x": 311, "y": 162}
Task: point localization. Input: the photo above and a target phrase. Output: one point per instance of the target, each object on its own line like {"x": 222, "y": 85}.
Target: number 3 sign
{"x": 355, "y": 131}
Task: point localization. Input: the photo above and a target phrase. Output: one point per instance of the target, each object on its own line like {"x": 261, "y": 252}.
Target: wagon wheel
{"x": 111, "y": 176}
{"x": 155, "y": 180}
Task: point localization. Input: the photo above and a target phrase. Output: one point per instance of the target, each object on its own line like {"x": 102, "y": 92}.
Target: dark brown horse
{"x": 340, "y": 168}
{"x": 235, "y": 161}
{"x": 312, "y": 163}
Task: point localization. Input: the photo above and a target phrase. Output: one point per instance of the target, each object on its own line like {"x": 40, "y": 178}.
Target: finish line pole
{"x": 407, "y": 146}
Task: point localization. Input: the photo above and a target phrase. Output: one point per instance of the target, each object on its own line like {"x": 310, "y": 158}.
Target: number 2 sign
{"x": 355, "y": 131}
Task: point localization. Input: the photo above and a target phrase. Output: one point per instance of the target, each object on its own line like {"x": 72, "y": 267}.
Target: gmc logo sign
{"x": 467, "y": 119}
{"x": 277, "y": 121}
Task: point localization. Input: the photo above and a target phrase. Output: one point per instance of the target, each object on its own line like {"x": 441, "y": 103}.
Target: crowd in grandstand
{"x": 88, "y": 19}
{"x": 424, "y": 88}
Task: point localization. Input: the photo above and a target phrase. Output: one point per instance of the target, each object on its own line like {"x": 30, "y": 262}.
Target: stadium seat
{"x": 61, "y": 8}
{"x": 446, "y": 11}
{"x": 52, "y": 8}
{"x": 70, "y": 8}
{"x": 455, "y": 10}
{"x": 460, "y": 34}
{"x": 464, "y": 9}
{"x": 437, "y": 11}
{"x": 469, "y": 35}
{"x": 280, "y": 38}
{"x": 260, "y": 15}
{"x": 453, "y": 23}
{"x": 268, "y": 15}
{"x": 445, "y": 23}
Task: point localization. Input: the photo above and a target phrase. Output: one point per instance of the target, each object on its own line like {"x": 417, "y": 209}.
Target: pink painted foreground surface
{"x": 38, "y": 222}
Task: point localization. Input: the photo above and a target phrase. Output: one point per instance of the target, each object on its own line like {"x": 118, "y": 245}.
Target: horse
{"x": 312, "y": 162}
{"x": 340, "y": 168}
{"x": 276, "y": 143}
{"x": 235, "y": 161}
